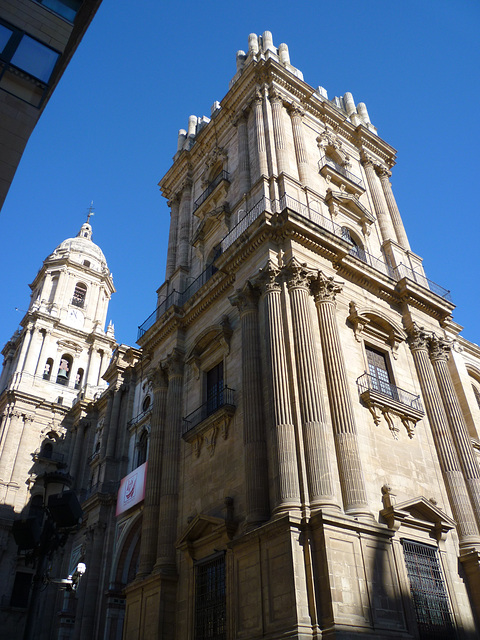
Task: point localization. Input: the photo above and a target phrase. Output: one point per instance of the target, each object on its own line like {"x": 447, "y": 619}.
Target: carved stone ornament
{"x": 368, "y": 319}
{"x": 358, "y": 321}
{"x": 246, "y": 299}
{"x": 268, "y": 278}
{"x": 392, "y": 410}
{"x": 173, "y": 363}
{"x": 325, "y": 288}
{"x": 156, "y": 378}
{"x": 297, "y": 275}
{"x": 207, "y": 431}
{"x": 438, "y": 348}
{"x": 418, "y": 337}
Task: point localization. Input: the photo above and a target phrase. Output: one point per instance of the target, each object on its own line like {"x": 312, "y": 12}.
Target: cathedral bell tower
{"x": 56, "y": 357}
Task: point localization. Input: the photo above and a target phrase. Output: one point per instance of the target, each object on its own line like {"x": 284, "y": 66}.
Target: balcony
{"x": 386, "y": 399}
{"x": 139, "y": 417}
{"x": 402, "y": 271}
{"x": 223, "y": 176}
{"x": 203, "y": 425}
{"x": 339, "y": 175}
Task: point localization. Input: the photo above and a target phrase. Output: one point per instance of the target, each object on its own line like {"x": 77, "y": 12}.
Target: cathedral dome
{"x": 81, "y": 249}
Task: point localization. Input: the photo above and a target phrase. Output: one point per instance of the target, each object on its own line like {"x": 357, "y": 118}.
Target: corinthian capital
{"x": 324, "y": 288}
{"x": 157, "y": 378}
{"x": 268, "y": 278}
{"x": 438, "y": 348}
{"x": 418, "y": 338}
{"x": 297, "y": 275}
{"x": 245, "y": 299}
{"x": 173, "y": 363}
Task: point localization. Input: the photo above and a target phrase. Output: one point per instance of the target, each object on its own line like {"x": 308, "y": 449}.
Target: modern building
{"x": 293, "y": 451}
{"x": 37, "y": 41}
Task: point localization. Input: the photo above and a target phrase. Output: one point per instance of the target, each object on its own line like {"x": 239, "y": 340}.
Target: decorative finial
{"x": 90, "y": 212}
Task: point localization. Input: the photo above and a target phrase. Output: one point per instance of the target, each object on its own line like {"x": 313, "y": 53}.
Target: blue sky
{"x": 109, "y": 132}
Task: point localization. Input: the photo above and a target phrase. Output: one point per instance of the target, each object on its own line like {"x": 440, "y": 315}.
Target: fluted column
{"x": 172, "y": 238}
{"x": 283, "y": 430}
{"x": 260, "y": 136}
{"x": 85, "y": 615}
{"x": 344, "y": 429}
{"x": 14, "y": 426}
{"x": 384, "y": 175}
{"x": 32, "y": 353}
{"x": 296, "y": 115}
{"x": 150, "y": 524}
{"x": 184, "y": 225}
{"x": 254, "y": 442}
{"x": 243, "y": 156}
{"x": 45, "y": 333}
{"x": 167, "y": 525}
{"x": 113, "y": 426}
{"x": 383, "y": 216}
{"x": 27, "y": 336}
{"x": 314, "y": 423}
{"x": 454, "y": 482}
{"x": 106, "y": 424}
{"x": 77, "y": 450}
{"x": 17, "y": 473}
{"x": 463, "y": 444}
{"x": 279, "y": 133}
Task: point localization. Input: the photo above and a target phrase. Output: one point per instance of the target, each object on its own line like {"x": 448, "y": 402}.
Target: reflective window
{"x": 5, "y": 35}
{"x": 35, "y": 58}
{"x": 68, "y": 9}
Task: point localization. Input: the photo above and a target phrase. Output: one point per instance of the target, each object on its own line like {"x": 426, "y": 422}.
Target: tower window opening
{"x": 142, "y": 448}
{"x": 64, "y": 369}
{"x": 357, "y": 250}
{"x": 78, "y": 379}
{"x": 79, "y": 295}
{"x": 46, "y": 450}
{"x": 47, "y": 372}
{"x": 86, "y": 263}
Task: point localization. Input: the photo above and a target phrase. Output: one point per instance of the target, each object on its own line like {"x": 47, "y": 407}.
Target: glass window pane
{"x": 66, "y": 8}
{"x": 35, "y": 58}
{"x": 5, "y": 35}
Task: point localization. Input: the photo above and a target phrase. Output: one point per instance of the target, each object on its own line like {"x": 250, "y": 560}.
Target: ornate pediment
{"x": 417, "y": 513}
{"x": 210, "y": 221}
{"x": 208, "y": 531}
{"x": 215, "y": 336}
{"x": 377, "y": 325}
{"x": 341, "y": 201}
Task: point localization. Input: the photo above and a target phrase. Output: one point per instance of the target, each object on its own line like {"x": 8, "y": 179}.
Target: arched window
{"x": 142, "y": 448}
{"x": 47, "y": 372}
{"x": 79, "y": 295}
{"x": 146, "y": 403}
{"x": 357, "y": 250}
{"x": 476, "y": 393}
{"x": 47, "y": 450}
{"x": 79, "y": 379}
{"x": 64, "y": 369}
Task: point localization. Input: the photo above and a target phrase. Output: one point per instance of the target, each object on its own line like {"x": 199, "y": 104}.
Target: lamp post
{"x": 63, "y": 514}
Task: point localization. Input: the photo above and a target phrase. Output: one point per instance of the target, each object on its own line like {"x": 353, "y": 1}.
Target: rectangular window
{"x": 215, "y": 388}
{"x": 210, "y": 599}
{"x": 428, "y": 592}
{"x": 379, "y": 374}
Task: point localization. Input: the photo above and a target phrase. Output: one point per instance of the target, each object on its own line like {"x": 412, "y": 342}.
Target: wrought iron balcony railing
{"x": 402, "y": 271}
{"x": 223, "y": 175}
{"x": 139, "y": 417}
{"x": 366, "y": 382}
{"x": 225, "y": 398}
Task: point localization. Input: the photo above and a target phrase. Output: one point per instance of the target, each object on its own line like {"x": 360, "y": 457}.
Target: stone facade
{"x": 307, "y": 408}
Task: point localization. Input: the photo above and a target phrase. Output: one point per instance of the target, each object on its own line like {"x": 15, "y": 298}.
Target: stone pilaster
{"x": 77, "y": 451}
{"x": 85, "y": 614}
{"x": 260, "y": 136}
{"x": 167, "y": 524}
{"x": 279, "y": 133}
{"x": 172, "y": 238}
{"x": 350, "y": 469}
{"x": 106, "y": 428}
{"x": 17, "y": 473}
{"x": 383, "y": 216}
{"x": 26, "y": 338}
{"x": 283, "y": 430}
{"x": 148, "y": 544}
{"x": 314, "y": 423}
{"x": 113, "y": 426}
{"x": 296, "y": 115}
{"x": 32, "y": 352}
{"x": 447, "y": 456}
{"x": 13, "y": 427}
{"x": 438, "y": 350}
{"x": 183, "y": 246}
{"x": 243, "y": 156}
{"x": 384, "y": 175}
{"x": 254, "y": 440}
{"x": 40, "y": 364}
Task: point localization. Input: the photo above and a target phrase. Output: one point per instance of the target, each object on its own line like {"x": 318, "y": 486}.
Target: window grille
{"x": 429, "y": 596}
{"x": 377, "y": 367}
{"x": 215, "y": 388}
{"x": 210, "y": 599}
